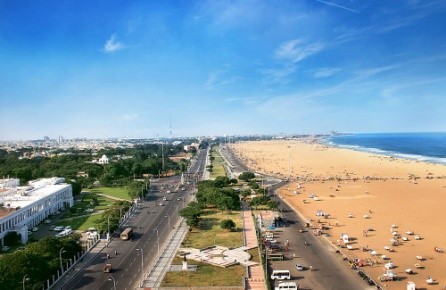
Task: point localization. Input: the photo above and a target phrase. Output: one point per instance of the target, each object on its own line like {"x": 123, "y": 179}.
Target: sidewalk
{"x": 256, "y": 279}
{"x": 162, "y": 264}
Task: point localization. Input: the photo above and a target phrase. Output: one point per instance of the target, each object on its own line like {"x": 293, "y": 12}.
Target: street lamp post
{"x": 168, "y": 219}
{"x": 114, "y": 282}
{"x": 289, "y": 162}
{"x": 60, "y": 258}
{"x": 108, "y": 228}
{"x": 142, "y": 262}
{"x": 157, "y": 240}
{"x": 25, "y": 278}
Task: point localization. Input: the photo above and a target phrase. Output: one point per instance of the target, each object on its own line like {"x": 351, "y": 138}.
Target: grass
{"x": 81, "y": 223}
{"x": 79, "y": 219}
{"x": 218, "y": 168}
{"x": 117, "y": 192}
{"x": 210, "y": 231}
{"x": 206, "y": 275}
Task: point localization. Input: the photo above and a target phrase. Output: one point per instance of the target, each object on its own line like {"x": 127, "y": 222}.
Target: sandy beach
{"x": 372, "y": 198}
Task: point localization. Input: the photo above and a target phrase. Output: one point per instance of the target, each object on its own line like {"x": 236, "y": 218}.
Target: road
{"x": 152, "y": 224}
{"x": 330, "y": 272}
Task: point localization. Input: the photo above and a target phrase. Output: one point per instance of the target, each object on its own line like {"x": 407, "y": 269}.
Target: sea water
{"x": 429, "y": 147}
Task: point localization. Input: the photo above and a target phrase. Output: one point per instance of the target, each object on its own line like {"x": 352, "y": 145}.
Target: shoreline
{"x": 326, "y": 141}
{"x": 351, "y": 185}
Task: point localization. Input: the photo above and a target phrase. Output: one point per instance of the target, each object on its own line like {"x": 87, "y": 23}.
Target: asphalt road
{"x": 152, "y": 224}
{"x": 330, "y": 272}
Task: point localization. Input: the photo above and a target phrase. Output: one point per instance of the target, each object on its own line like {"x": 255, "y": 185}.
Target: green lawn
{"x": 208, "y": 275}
{"x": 210, "y": 230}
{"x": 80, "y": 216}
{"x": 117, "y": 192}
{"x": 218, "y": 168}
{"x": 81, "y": 223}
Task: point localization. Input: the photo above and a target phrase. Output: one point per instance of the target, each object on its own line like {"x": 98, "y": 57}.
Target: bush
{"x": 227, "y": 224}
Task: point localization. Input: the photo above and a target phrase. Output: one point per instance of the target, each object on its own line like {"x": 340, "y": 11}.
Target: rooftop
{"x": 14, "y": 198}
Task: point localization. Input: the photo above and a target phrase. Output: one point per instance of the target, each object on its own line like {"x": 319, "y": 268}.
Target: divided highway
{"x": 152, "y": 222}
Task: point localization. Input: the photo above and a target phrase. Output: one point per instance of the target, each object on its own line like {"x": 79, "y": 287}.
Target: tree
{"x": 245, "y": 176}
{"x": 136, "y": 189}
{"x": 76, "y": 187}
{"x": 12, "y": 239}
{"x": 227, "y": 224}
{"x": 192, "y": 214}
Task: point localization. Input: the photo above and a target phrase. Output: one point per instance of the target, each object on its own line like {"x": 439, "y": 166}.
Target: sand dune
{"x": 367, "y": 196}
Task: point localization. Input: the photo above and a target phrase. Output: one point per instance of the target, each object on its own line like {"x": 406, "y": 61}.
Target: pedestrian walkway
{"x": 256, "y": 275}
{"x": 162, "y": 264}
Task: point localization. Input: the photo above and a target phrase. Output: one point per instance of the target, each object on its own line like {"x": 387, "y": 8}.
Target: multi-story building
{"x": 24, "y": 207}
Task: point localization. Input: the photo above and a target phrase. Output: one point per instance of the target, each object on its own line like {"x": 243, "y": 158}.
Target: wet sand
{"x": 368, "y": 197}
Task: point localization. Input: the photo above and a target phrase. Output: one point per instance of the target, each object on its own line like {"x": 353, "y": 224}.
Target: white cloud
{"x": 280, "y": 75}
{"x": 129, "y": 117}
{"x": 113, "y": 45}
{"x": 296, "y": 50}
{"x": 325, "y": 72}
{"x": 333, "y": 4}
{"x": 219, "y": 78}
{"x": 366, "y": 73}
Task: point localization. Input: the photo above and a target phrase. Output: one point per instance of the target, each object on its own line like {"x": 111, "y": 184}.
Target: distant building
{"x": 103, "y": 159}
{"x": 82, "y": 174}
{"x": 24, "y": 207}
{"x": 188, "y": 148}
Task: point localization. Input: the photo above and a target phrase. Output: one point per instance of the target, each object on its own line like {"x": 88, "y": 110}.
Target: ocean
{"x": 428, "y": 147}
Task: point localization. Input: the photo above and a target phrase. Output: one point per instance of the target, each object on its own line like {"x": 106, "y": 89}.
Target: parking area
{"x": 283, "y": 248}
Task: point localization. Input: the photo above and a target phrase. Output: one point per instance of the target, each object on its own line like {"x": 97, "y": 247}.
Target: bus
{"x": 126, "y": 234}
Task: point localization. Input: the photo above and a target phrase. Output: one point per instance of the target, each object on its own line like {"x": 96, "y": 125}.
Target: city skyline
{"x": 143, "y": 69}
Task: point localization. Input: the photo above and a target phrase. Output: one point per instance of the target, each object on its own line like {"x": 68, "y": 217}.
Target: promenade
{"x": 256, "y": 275}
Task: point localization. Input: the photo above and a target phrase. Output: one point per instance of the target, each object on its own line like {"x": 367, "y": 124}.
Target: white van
{"x": 287, "y": 286}
{"x": 280, "y": 275}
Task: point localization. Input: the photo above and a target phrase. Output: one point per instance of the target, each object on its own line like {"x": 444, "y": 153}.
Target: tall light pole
{"x": 108, "y": 228}
{"x": 60, "y": 258}
{"x": 113, "y": 280}
{"x": 157, "y": 240}
{"x": 142, "y": 262}
{"x": 25, "y": 278}
{"x": 168, "y": 219}
{"x": 289, "y": 162}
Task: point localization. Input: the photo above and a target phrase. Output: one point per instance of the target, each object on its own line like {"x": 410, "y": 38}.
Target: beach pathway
{"x": 256, "y": 279}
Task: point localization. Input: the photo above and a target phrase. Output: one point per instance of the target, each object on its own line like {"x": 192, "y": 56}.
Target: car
{"x": 59, "y": 228}
{"x": 47, "y": 221}
{"x": 160, "y": 204}
{"x": 168, "y": 191}
{"x": 179, "y": 198}
{"x": 300, "y": 267}
{"x": 183, "y": 189}
{"x": 35, "y": 229}
{"x": 164, "y": 198}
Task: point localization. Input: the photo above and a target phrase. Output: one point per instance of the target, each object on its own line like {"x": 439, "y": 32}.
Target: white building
{"x": 24, "y": 207}
{"x": 103, "y": 159}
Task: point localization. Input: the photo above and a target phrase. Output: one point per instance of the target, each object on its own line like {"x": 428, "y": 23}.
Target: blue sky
{"x": 131, "y": 68}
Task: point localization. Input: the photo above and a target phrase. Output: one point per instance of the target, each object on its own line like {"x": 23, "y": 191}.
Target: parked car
{"x": 300, "y": 267}
{"x": 59, "y": 228}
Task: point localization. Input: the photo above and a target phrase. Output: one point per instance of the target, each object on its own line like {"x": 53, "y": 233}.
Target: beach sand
{"x": 366, "y": 196}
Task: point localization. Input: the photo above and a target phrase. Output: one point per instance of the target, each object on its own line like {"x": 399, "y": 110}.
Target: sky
{"x": 143, "y": 69}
